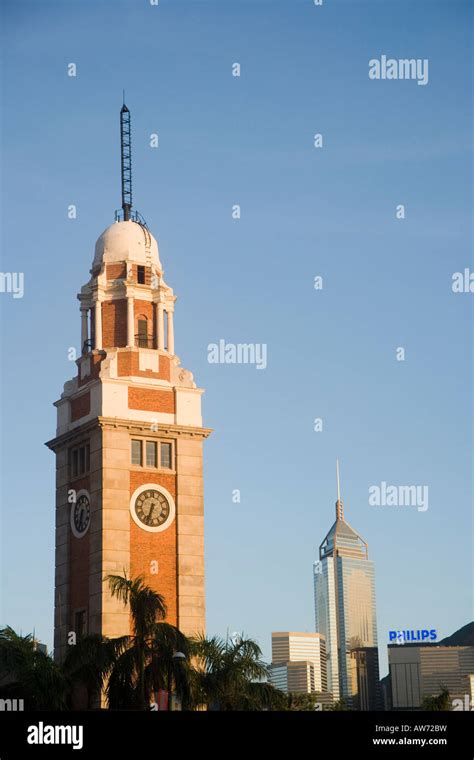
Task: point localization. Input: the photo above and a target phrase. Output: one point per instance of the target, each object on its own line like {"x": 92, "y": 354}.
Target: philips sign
{"x": 405, "y": 637}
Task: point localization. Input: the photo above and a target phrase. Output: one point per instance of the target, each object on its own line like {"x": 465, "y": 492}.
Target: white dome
{"x": 126, "y": 241}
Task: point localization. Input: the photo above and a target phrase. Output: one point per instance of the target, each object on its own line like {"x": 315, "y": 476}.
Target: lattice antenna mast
{"x": 126, "y": 156}
{"x": 339, "y": 504}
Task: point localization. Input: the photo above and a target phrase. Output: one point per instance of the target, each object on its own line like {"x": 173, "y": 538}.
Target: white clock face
{"x": 152, "y": 508}
{"x": 81, "y": 514}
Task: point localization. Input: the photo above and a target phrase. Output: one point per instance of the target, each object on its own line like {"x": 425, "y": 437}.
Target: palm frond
{"x": 121, "y": 690}
{"x": 147, "y": 606}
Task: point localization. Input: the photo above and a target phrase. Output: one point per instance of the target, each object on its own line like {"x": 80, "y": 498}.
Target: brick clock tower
{"x": 128, "y": 445}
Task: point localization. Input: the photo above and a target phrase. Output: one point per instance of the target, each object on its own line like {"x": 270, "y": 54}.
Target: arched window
{"x": 142, "y": 331}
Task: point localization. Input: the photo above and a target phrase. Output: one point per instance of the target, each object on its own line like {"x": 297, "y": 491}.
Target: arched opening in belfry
{"x": 143, "y": 340}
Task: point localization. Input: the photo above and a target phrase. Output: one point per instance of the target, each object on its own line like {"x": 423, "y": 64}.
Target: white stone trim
{"x": 161, "y": 325}
{"x": 84, "y": 325}
{"x": 170, "y": 336}
{"x": 98, "y": 324}
{"x": 130, "y": 321}
{"x": 166, "y": 494}
{"x": 148, "y": 359}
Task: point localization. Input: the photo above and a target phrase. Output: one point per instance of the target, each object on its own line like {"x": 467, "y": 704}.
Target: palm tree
{"x": 146, "y": 606}
{"x": 231, "y": 675}
{"x": 30, "y": 674}
{"x": 303, "y": 702}
{"x": 441, "y": 702}
{"x": 339, "y": 705}
{"x": 88, "y": 664}
{"x": 148, "y": 661}
{"x": 169, "y": 668}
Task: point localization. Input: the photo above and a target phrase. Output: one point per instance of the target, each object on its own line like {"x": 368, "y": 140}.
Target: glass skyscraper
{"x": 344, "y": 592}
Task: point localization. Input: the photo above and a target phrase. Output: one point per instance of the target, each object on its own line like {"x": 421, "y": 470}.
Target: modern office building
{"x": 420, "y": 671}
{"x": 365, "y": 684}
{"x": 294, "y": 677}
{"x": 344, "y": 592}
{"x": 39, "y": 647}
{"x": 298, "y": 662}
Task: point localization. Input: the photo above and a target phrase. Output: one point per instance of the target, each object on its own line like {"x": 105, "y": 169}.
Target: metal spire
{"x": 339, "y": 504}
{"x": 126, "y": 160}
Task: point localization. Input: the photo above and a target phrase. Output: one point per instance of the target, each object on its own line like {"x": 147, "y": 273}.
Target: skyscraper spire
{"x": 126, "y": 160}
{"x": 339, "y": 504}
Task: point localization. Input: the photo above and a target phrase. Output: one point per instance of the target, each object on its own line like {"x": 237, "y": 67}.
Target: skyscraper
{"x": 344, "y": 592}
{"x": 128, "y": 444}
{"x": 298, "y": 661}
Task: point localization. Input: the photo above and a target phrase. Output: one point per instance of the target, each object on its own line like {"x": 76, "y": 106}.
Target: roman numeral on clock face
{"x": 152, "y": 508}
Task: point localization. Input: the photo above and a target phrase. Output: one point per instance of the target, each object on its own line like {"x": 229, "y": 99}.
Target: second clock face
{"x": 152, "y": 508}
{"x": 81, "y": 515}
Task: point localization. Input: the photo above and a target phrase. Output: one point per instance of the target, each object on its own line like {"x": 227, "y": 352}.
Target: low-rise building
{"x": 298, "y": 662}
{"x": 420, "y": 671}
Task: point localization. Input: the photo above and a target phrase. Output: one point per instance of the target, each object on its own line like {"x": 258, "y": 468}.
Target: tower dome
{"x": 126, "y": 241}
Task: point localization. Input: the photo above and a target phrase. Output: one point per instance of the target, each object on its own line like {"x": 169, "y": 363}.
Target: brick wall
{"x": 151, "y": 400}
{"x": 79, "y": 565}
{"x": 114, "y": 323}
{"x": 128, "y": 366}
{"x": 116, "y": 271}
{"x": 146, "y": 547}
{"x": 80, "y": 406}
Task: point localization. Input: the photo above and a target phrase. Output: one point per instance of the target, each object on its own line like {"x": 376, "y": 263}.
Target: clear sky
{"x": 305, "y": 212}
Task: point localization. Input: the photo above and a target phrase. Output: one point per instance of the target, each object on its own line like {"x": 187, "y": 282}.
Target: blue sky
{"x": 305, "y": 212}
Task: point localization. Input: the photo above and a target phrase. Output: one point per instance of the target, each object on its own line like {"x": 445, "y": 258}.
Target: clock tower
{"x": 128, "y": 445}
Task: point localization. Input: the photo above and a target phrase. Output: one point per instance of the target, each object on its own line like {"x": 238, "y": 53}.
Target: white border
{"x": 76, "y": 533}
{"x": 166, "y": 494}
